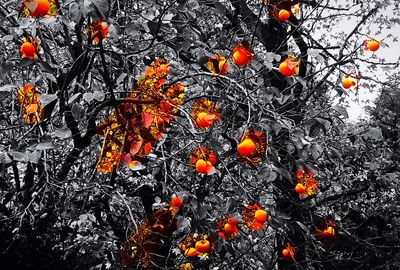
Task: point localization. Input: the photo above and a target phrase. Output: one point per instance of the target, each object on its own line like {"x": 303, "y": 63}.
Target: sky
{"x": 389, "y": 51}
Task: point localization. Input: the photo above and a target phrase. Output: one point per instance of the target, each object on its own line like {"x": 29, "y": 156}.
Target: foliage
{"x": 245, "y": 114}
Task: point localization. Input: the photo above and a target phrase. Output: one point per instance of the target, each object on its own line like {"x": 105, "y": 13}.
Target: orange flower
{"x": 252, "y": 147}
{"x": 205, "y": 113}
{"x": 250, "y": 219}
{"x": 305, "y": 182}
{"x": 29, "y": 48}
{"x": 203, "y": 159}
{"x": 97, "y": 31}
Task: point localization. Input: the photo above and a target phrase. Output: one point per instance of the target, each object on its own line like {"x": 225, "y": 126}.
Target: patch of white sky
{"x": 390, "y": 51}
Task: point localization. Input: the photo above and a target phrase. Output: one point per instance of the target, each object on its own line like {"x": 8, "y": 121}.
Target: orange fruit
{"x": 260, "y": 216}
{"x": 212, "y": 159}
{"x": 347, "y": 83}
{"x": 246, "y": 147}
{"x": 203, "y": 246}
{"x": 285, "y": 252}
{"x": 209, "y": 167}
{"x": 176, "y": 202}
{"x": 373, "y": 45}
{"x": 42, "y": 8}
{"x": 330, "y": 230}
{"x": 300, "y": 188}
{"x": 201, "y": 166}
{"x": 27, "y": 50}
{"x": 228, "y": 228}
{"x": 233, "y": 221}
{"x": 283, "y": 15}
{"x": 257, "y": 225}
{"x": 241, "y": 56}
{"x": 204, "y": 167}
{"x": 205, "y": 120}
{"x": 285, "y": 69}
{"x": 191, "y": 252}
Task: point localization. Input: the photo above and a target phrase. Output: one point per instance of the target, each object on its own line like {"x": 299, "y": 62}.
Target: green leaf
{"x": 5, "y": 158}
{"x": 33, "y": 156}
{"x": 26, "y": 62}
{"x": 45, "y": 146}
{"x": 314, "y": 129}
{"x": 316, "y": 151}
{"x": 266, "y": 174}
{"x": 73, "y": 98}
{"x": 183, "y": 224}
{"x": 46, "y": 67}
{"x": 230, "y": 204}
{"x": 78, "y": 111}
{"x": 302, "y": 226}
{"x": 373, "y": 134}
{"x": 75, "y": 12}
{"x": 132, "y": 29}
{"x": 88, "y": 97}
{"x": 120, "y": 78}
{"x": 50, "y": 77}
{"x": 341, "y": 111}
{"x": 7, "y": 38}
{"x": 285, "y": 173}
{"x": 62, "y": 133}
{"x": 101, "y": 7}
{"x": 7, "y": 88}
{"x": 98, "y": 95}
{"x": 283, "y": 216}
{"x": 26, "y": 22}
{"x": 46, "y": 99}
{"x": 18, "y": 156}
